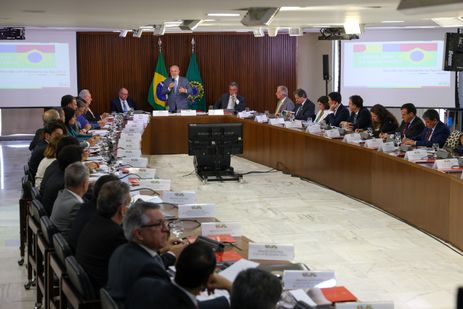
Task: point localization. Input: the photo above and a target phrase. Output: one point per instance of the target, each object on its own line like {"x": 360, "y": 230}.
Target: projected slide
{"x": 405, "y": 64}
{"x": 34, "y": 65}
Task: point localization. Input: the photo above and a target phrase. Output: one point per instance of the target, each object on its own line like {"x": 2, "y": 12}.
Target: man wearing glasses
{"x": 148, "y": 253}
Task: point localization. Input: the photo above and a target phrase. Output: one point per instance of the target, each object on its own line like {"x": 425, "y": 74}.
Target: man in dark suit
{"x": 49, "y": 116}
{"x": 360, "y": 117}
{"x": 123, "y": 103}
{"x": 411, "y": 125}
{"x": 231, "y": 100}
{"x": 51, "y": 129}
{"x": 148, "y": 234}
{"x": 96, "y": 121}
{"x": 177, "y": 88}
{"x": 304, "y": 108}
{"x": 194, "y": 273}
{"x": 55, "y": 182}
{"x": 436, "y": 132}
{"x": 340, "y": 112}
{"x": 70, "y": 198}
{"x": 103, "y": 233}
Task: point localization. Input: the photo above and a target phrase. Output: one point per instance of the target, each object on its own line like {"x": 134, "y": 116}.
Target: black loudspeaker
{"x": 326, "y": 67}
{"x": 453, "y": 60}
{"x": 460, "y": 298}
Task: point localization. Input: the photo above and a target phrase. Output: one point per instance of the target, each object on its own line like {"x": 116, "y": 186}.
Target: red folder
{"x": 338, "y": 294}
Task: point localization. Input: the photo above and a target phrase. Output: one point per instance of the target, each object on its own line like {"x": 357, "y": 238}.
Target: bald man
{"x": 123, "y": 103}
{"x": 48, "y": 116}
{"x": 177, "y": 89}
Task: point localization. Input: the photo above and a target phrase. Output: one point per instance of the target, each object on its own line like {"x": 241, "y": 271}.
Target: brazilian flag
{"x": 198, "y": 102}
{"x": 155, "y": 97}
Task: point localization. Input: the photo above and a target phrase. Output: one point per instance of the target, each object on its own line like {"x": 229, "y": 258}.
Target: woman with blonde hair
{"x": 49, "y": 156}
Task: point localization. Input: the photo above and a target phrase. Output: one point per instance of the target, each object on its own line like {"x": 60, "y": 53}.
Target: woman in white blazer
{"x": 324, "y": 109}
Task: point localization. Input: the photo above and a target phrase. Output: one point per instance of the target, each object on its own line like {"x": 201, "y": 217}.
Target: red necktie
{"x": 404, "y": 132}
{"x": 428, "y": 135}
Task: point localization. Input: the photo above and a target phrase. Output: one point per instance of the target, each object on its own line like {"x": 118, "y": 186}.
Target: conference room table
{"x": 421, "y": 196}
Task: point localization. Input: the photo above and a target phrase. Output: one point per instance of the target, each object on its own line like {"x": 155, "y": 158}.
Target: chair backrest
{"x": 48, "y": 229}
{"x": 27, "y": 188}
{"x": 79, "y": 279}
{"x": 37, "y": 210}
{"x": 107, "y": 302}
{"x": 62, "y": 248}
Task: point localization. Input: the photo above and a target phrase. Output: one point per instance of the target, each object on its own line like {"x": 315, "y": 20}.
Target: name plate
{"x": 156, "y": 184}
{"x": 133, "y": 130}
{"x": 187, "y": 112}
{"x": 276, "y": 121}
{"x": 353, "y": 138}
{"x": 244, "y": 114}
{"x": 296, "y": 124}
{"x": 387, "y": 147}
{"x": 130, "y": 136}
{"x": 179, "y": 198}
{"x": 366, "y": 305}
{"x": 128, "y": 153}
{"x": 416, "y": 155}
{"x": 446, "y": 164}
{"x": 221, "y": 228}
{"x": 129, "y": 144}
{"x": 261, "y": 118}
{"x": 333, "y": 133}
{"x": 160, "y": 113}
{"x": 373, "y": 143}
{"x": 196, "y": 211}
{"x": 305, "y": 279}
{"x": 314, "y": 129}
{"x": 135, "y": 162}
{"x": 274, "y": 252}
{"x": 215, "y": 112}
{"x": 148, "y": 173}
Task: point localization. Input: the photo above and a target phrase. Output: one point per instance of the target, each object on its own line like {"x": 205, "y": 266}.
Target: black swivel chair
{"x": 57, "y": 270}
{"x": 107, "y": 302}
{"x": 45, "y": 244}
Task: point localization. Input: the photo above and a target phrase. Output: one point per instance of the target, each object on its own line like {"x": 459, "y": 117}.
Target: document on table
{"x": 231, "y": 272}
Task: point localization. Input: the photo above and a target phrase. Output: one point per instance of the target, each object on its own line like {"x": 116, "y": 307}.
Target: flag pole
{"x": 160, "y": 45}
{"x": 193, "y": 43}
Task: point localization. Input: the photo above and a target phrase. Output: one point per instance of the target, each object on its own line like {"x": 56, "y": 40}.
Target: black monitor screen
{"x": 215, "y": 139}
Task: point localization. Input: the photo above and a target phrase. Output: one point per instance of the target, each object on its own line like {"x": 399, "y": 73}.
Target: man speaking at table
{"x": 177, "y": 88}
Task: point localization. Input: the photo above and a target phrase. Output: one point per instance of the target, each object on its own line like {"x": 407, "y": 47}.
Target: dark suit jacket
{"x": 53, "y": 185}
{"x": 127, "y": 264}
{"x": 92, "y": 118}
{"x": 342, "y": 114}
{"x": 176, "y": 100}
{"x": 363, "y": 120}
{"x": 416, "y": 127}
{"x": 149, "y": 293}
{"x": 440, "y": 135}
{"x": 51, "y": 169}
{"x": 86, "y": 212}
{"x": 37, "y": 156}
{"x": 116, "y": 105}
{"x": 305, "y": 111}
{"x": 37, "y": 137}
{"x": 99, "y": 239}
{"x": 222, "y": 102}
{"x": 387, "y": 126}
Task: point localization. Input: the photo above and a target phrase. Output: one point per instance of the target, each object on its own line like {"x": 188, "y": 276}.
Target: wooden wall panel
{"x": 106, "y": 62}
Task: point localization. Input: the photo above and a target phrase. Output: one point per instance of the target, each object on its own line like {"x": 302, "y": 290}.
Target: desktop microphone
{"x": 460, "y": 163}
{"x": 442, "y": 154}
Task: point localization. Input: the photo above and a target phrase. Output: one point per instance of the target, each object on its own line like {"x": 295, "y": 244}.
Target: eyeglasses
{"x": 163, "y": 224}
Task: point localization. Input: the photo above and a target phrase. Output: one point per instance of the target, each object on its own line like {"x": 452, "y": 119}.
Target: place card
{"x": 179, "y": 198}
{"x": 278, "y": 252}
{"x": 135, "y": 162}
{"x": 366, "y": 305}
{"x": 148, "y": 173}
{"x": 306, "y": 279}
{"x": 333, "y": 133}
{"x": 373, "y": 143}
{"x": 221, "y": 228}
{"x": 128, "y": 153}
{"x": 133, "y": 130}
{"x": 261, "y": 118}
{"x": 387, "y": 147}
{"x": 215, "y": 112}
{"x": 416, "y": 155}
{"x": 196, "y": 211}
{"x": 446, "y": 164}
{"x": 155, "y": 184}
{"x": 244, "y": 114}
{"x": 130, "y": 136}
{"x": 296, "y": 124}
{"x": 160, "y": 113}
{"x": 129, "y": 144}
{"x": 353, "y": 138}
{"x": 187, "y": 112}
{"x": 314, "y": 129}
{"x": 276, "y": 121}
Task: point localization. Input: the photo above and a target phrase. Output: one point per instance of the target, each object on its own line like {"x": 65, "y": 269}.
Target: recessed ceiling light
{"x": 448, "y": 22}
{"x": 224, "y": 14}
{"x": 296, "y": 31}
{"x": 352, "y": 27}
{"x": 392, "y": 21}
{"x": 326, "y": 8}
{"x": 259, "y": 33}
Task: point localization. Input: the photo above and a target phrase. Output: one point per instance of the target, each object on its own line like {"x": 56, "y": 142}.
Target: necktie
{"x": 355, "y": 118}
{"x": 319, "y": 116}
{"x": 404, "y": 132}
{"x": 428, "y": 135}
{"x": 158, "y": 259}
{"x": 278, "y": 107}
{"x": 176, "y": 85}
{"x": 125, "y": 106}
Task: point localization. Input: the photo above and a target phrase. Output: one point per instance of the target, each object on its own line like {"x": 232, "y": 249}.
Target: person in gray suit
{"x": 177, "y": 88}
{"x": 70, "y": 199}
{"x": 284, "y": 103}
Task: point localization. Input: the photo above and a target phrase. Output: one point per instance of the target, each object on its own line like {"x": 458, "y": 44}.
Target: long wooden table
{"x": 427, "y": 199}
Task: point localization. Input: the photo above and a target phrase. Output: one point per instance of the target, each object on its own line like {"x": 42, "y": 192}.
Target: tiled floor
{"x": 374, "y": 255}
